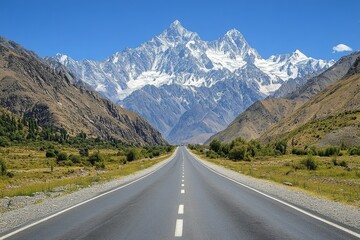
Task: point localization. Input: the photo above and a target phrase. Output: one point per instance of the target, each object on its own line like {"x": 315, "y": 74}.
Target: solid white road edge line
{"x": 86, "y": 201}
{"x": 179, "y": 227}
{"x": 181, "y": 209}
{"x": 282, "y": 202}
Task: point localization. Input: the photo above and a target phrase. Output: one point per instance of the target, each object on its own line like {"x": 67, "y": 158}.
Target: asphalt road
{"x": 183, "y": 199}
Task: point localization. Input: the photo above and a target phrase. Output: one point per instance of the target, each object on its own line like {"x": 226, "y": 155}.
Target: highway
{"x": 182, "y": 200}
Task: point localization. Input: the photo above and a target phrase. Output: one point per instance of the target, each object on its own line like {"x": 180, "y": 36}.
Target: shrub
{"x": 50, "y": 153}
{"x": 239, "y": 153}
{"x": 310, "y": 163}
{"x": 354, "y": 151}
{"x": 132, "y": 155}
{"x": 211, "y": 154}
{"x": 225, "y": 149}
{"x": 75, "y": 158}
{"x": 96, "y": 158}
{"x": 4, "y": 141}
{"x": 99, "y": 165}
{"x": 343, "y": 164}
{"x": 281, "y": 146}
{"x": 3, "y": 168}
{"x": 330, "y": 151}
{"x": 84, "y": 152}
{"x": 299, "y": 151}
{"x": 62, "y": 156}
{"x": 215, "y": 145}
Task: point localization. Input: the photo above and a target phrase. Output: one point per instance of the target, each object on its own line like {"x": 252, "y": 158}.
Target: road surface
{"x": 183, "y": 200}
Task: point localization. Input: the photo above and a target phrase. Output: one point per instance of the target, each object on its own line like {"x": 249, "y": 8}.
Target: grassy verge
{"x": 339, "y": 182}
{"x": 32, "y": 171}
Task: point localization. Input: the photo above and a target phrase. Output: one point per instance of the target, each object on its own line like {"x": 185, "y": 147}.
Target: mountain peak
{"x": 298, "y": 54}
{"x": 176, "y": 24}
{"x": 234, "y": 34}
{"x": 176, "y": 33}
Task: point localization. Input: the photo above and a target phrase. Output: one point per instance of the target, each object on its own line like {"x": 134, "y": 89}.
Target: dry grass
{"x": 32, "y": 172}
{"x": 333, "y": 182}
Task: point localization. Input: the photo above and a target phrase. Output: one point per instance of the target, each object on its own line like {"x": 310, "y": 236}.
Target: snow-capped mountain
{"x": 179, "y": 82}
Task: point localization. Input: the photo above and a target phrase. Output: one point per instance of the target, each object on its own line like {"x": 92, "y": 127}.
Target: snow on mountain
{"x": 179, "y": 57}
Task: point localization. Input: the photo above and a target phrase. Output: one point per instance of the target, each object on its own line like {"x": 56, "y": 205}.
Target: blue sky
{"x": 96, "y": 29}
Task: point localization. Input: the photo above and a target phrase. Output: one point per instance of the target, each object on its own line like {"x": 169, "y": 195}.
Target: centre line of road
{"x": 181, "y": 209}
{"x": 182, "y": 180}
{"x": 282, "y": 202}
{"x": 88, "y": 200}
{"x": 182, "y": 185}
{"x": 182, "y": 191}
{"x": 179, "y": 228}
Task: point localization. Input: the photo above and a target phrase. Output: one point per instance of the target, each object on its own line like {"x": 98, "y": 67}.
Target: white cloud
{"x": 341, "y": 48}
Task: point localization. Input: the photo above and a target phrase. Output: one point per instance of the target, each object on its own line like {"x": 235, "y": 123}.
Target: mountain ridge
{"x": 179, "y": 57}
{"x": 255, "y": 121}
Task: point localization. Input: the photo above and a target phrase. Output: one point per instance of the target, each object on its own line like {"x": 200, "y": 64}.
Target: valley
{"x": 119, "y": 122}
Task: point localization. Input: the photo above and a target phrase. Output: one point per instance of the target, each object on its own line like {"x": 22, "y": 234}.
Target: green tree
{"x": 215, "y": 145}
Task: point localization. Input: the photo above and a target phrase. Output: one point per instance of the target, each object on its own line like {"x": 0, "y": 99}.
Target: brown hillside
{"x": 258, "y": 118}
{"x": 29, "y": 86}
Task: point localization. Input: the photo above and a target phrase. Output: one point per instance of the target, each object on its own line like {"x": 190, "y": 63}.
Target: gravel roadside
{"x": 344, "y": 214}
{"x": 34, "y": 210}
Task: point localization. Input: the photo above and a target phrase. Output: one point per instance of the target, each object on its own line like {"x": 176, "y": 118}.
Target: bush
{"x": 75, "y": 158}
{"x": 132, "y": 155}
{"x": 50, "y": 153}
{"x": 4, "y": 141}
{"x": 215, "y": 145}
{"x": 239, "y": 153}
{"x": 310, "y": 163}
{"x": 84, "y": 152}
{"x": 330, "y": 151}
{"x": 96, "y": 158}
{"x": 211, "y": 154}
{"x": 281, "y": 146}
{"x": 354, "y": 151}
{"x": 3, "y": 168}
{"x": 99, "y": 165}
{"x": 299, "y": 152}
{"x": 62, "y": 156}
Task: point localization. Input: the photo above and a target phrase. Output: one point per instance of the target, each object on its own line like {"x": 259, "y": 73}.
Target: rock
{"x": 288, "y": 183}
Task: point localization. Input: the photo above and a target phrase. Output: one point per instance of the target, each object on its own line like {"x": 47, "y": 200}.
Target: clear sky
{"x": 96, "y": 29}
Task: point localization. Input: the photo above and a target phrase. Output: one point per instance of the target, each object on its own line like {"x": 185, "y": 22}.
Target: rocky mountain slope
{"x": 262, "y": 115}
{"x": 223, "y": 76}
{"x": 257, "y": 119}
{"x": 30, "y": 87}
{"x": 323, "y": 112}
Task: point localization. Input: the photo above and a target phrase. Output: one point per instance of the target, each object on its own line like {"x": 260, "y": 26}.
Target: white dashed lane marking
{"x": 179, "y": 227}
{"x": 182, "y": 191}
{"x": 181, "y": 209}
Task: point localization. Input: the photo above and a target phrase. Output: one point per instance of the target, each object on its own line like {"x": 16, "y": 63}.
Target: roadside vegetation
{"x": 35, "y": 159}
{"x": 331, "y": 172}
